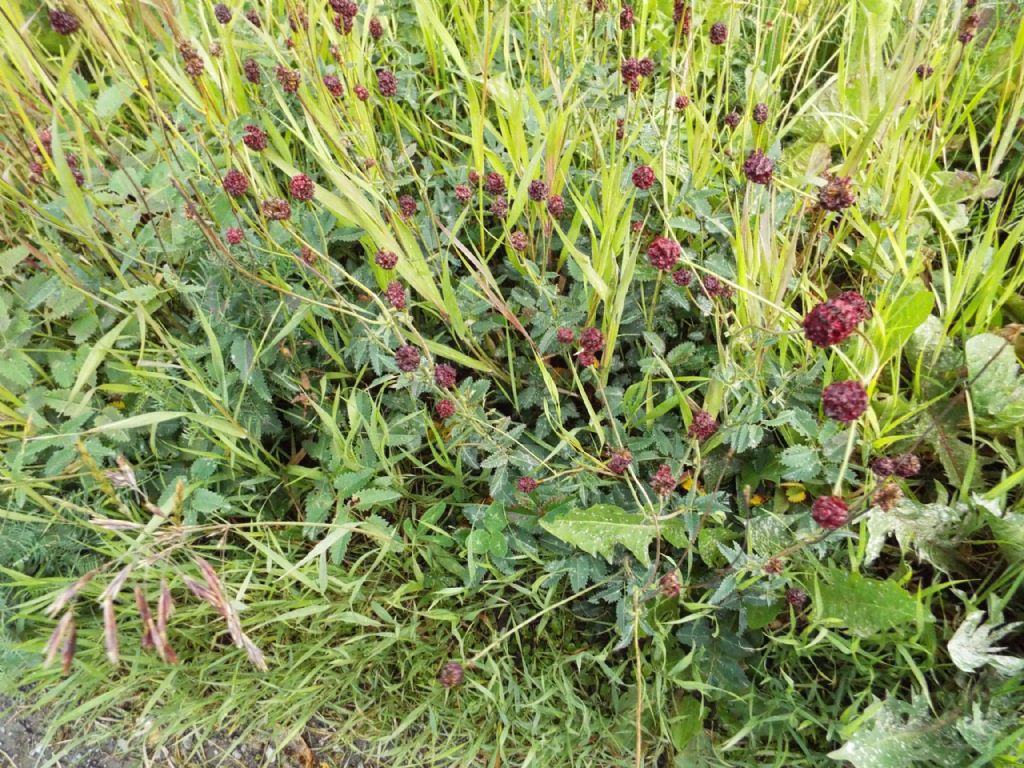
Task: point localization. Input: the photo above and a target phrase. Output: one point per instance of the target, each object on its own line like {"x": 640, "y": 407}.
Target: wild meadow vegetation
{"x": 517, "y": 383}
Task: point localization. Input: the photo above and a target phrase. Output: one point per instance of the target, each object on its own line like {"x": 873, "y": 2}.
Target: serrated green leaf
{"x": 597, "y": 529}
{"x": 863, "y": 606}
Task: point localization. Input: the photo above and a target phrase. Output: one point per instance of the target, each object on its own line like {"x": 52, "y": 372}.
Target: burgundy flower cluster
{"x": 844, "y": 400}
{"x": 664, "y": 253}
{"x": 906, "y": 466}
{"x": 758, "y": 167}
{"x": 703, "y": 425}
{"x": 632, "y": 70}
{"x": 591, "y": 342}
{"x": 835, "y": 320}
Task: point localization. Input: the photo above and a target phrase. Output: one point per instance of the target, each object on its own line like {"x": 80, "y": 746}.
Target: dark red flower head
{"x": 643, "y": 177}
{"x": 495, "y": 183}
{"x": 662, "y": 481}
{"x": 222, "y": 13}
{"x": 837, "y": 194}
{"x": 499, "y": 207}
{"x": 625, "y": 17}
{"x": 361, "y": 93}
{"x": 758, "y": 167}
{"x": 385, "y": 259}
{"x": 63, "y": 22}
{"x": 376, "y": 28}
{"x": 450, "y": 675}
{"x": 407, "y": 206}
{"x": 760, "y": 113}
{"x": 830, "y": 512}
{"x": 333, "y": 85}
{"x": 796, "y": 597}
{"x": 565, "y": 335}
{"x": 526, "y": 484}
{"x": 682, "y": 102}
{"x": 395, "y": 294}
{"x": 252, "y": 71}
{"x": 302, "y": 187}
{"x": 719, "y": 33}
{"x": 844, "y": 400}
{"x": 682, "y": 277}
{"x": 277, "y": 209}
{"x": 682, "y": 15}
{"x": 732, "y": 119}
{"x": 235, "y": 183}
{"x": 924, "y": 71}
{"x": 288, "y": 78}
{"x": 591, "y": 339}
{"x": 646, "y": 67}
{"x": 234, "y": 235}
{"x": 907, "y": 465}
{"x": 664, "y": 253}
{"x": 703, "y": 425}
{"x": 835, "y": 320}
{"x": 444, "y": 409}
{"x": 254, "y": 138}
{"x": 407, "y": 357}
{"x": 619, "y": 462}
{"x": 519, "y": 240}
{"x": 537, "y": 190}
{"x": 444, "y": 376}
{"x": 387, "y": 84}
{"x": 253, "y": 18}
{"x": 556, "y": 206}
{"x": 463, "y": 193}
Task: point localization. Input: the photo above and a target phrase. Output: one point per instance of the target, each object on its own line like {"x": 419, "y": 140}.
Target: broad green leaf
{"x": 112, "y": 98}
{"x": 863, "y": 606}
{"x": 597, "y": 529}
{"x": 903, "y": 317}
{"x": 895, "y": 734}
{"x": 995, "y": 383}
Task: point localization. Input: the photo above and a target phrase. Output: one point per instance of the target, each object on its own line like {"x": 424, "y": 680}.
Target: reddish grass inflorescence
{"x": 844, "y": 400}
{"x": 63, "y": 22}
{"x": 719, "y": 33}
{"x": 444, "y": 409}
{"x": 444, "y": 376}
{"x": 643, "y": 177}
{"x": 830, "y": 512}
{"x": 235, "y": 183}
{"x": 758, "y": 167}
{"x": 664, "y": 252}
{"x": 662, "y": 481}
{"x": 254, "y": 138}
{"x": 301, "y": 187}
{"x": 835, "y": 320}
{"x": 407, "y": 357}
{"x": 703, "y": 425}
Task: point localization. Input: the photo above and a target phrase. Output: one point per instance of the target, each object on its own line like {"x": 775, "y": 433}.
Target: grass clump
{"x": 558, "y": 383}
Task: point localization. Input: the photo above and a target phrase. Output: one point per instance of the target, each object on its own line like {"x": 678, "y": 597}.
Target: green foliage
{"x": 225, "y": 429}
